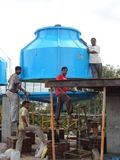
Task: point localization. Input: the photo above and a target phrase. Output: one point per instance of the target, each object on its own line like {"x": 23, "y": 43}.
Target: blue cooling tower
{"x": 3, "y": 72}
{"x": 53, "y": 48}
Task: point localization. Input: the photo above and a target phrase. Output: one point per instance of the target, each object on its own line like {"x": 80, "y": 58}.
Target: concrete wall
{"x": 113, "y": 123}
{"x": 6, "y": 125}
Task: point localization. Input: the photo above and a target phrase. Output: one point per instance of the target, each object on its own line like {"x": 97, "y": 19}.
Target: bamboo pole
{"x": 103, "y": 124}
{"x": 52, "y": 123}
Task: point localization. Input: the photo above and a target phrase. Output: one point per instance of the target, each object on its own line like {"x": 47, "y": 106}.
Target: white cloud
{"x": 98, "y": 18}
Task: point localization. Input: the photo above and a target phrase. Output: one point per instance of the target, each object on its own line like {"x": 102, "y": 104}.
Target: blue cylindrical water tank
{"x": 53, "y": 48}
{"x": 3, "y": 72}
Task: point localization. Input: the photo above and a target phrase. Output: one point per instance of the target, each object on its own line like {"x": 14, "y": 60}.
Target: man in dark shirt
{"x": 62, "y": 96}
{"x": 12, "y": 93}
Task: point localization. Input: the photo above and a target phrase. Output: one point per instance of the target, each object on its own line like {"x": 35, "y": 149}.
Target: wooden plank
{"x": 85, "y": 83}
{"x": 103, "y": 124}
{"x": 52, "y": 124}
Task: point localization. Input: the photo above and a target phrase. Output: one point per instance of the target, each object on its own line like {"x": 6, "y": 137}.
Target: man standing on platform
{"x": 95, "y": 60}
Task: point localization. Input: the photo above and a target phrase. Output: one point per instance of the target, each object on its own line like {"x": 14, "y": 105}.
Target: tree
{"x": 110, "y": 71}
{"x": 95, "y": 105}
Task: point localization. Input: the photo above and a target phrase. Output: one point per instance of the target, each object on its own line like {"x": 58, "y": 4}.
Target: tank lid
{"x": 57, "y": 26}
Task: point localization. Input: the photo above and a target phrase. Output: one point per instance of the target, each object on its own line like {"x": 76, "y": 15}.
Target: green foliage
{"x": 37, "y": 115}
{"x": 94, "y": 106}
{"x": 110, "y": 71}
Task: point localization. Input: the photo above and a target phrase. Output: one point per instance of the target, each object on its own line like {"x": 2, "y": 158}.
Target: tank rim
{"x": 57, "y": 27}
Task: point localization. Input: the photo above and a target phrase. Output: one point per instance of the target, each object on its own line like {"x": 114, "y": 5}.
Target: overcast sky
{"x": 19, "y": 19}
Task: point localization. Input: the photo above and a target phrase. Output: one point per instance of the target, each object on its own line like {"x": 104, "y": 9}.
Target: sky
{"x": 19, "y": 19}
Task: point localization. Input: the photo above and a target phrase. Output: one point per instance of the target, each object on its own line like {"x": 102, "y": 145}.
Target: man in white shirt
{"x": 94, "y": 59}
{"x": 25, "y": 126}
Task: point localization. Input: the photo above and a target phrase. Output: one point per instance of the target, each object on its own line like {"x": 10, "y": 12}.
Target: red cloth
{"x": 58, "y": 90}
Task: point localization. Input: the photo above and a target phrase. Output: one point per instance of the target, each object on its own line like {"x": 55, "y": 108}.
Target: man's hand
{"x": 26, "y": 125}
{"x": 24, "y": 120}
{"x": 63, "y": 93}
{"x": 92, "y": 51}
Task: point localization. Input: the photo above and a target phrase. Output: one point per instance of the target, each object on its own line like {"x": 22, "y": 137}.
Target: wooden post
{"x": 52, "y": 123}
{"x": 33, "y": 118}
{"x": 103, "y": 124}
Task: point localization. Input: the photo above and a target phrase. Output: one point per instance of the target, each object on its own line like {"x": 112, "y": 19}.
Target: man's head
{"x": 64, "y": 70}
{"x": 18, "y": 70}
{"x": 26, "y": 104}
{"x": 93, "y": 41}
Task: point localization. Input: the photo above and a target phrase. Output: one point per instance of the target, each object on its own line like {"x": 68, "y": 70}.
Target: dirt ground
{"x": 29, "y": 157}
